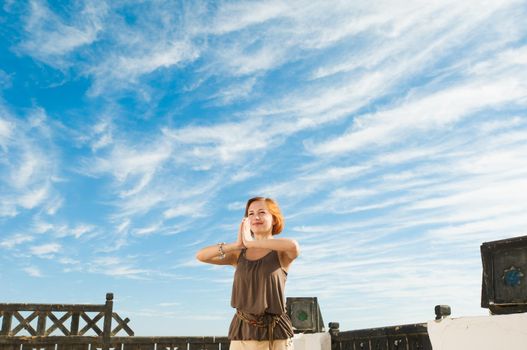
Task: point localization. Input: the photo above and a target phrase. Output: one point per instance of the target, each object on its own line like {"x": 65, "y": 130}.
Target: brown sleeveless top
{"x": 258, "y": 290}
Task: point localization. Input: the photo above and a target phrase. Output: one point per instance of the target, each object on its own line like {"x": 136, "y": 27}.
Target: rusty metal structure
{"x": 403, "y": 337}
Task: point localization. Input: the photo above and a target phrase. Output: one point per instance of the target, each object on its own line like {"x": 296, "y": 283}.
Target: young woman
{"x": 261, "y": 263}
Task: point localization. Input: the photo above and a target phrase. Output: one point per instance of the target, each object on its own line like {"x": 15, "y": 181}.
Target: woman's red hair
{"x": 274, "y": 209}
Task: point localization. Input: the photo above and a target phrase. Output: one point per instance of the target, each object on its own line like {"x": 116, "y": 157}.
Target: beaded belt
{"x": 261, "y": 321}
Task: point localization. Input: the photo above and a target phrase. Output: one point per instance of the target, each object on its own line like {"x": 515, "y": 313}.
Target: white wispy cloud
{"x": 188, "y": 210}
{"x": 32, "y": 198}
{"x": 236, "y": 16}
{"x": 68, "y": 261}
{"x": 119, "y": 267}
{"x": 123, "y": 70}
{"x": 53, "y": 205}
{"x": 144, "y": 231}
{"x": 239, "y": 90}
{"x": 440, "y": 110}
{"x": 45, "y": 250}
{"x": 102, "y": 135}
{"x": 49, "y": 37}
{"x": 169, "y": 304}
{"x": 15, "y": 240}
{"x": 227, "y": 142}
{"x": 132, "y": 166}
{"x": 312, "y": 181}
{"x": 131, "y": 161}
{"x": 80, "y": 230}
{"x": 29, "y": 163}
{"x": 158, "y": 58}
{"x": 5, "y": 132}
{"x": 33, "y": 271}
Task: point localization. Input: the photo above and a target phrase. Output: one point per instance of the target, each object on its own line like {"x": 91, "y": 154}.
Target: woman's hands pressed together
{"x": 224, "y": 253}
{"x": 246, "y": 234}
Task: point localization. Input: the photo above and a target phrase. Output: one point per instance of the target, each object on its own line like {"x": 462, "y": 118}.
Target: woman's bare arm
{"x": 288, "y": 247}
{"x": 211, "y": 254}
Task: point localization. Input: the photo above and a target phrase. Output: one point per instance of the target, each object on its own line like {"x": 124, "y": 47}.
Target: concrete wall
{"x": 496, "y": 332}
{"x": 314, "y": 341}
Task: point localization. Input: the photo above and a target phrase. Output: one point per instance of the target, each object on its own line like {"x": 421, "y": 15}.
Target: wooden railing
{"x": 37, "y": 325}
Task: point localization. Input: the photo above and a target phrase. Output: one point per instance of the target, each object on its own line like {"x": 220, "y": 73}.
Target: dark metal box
{"x": 305, "y": 314}
{"x": 504, "y": 285}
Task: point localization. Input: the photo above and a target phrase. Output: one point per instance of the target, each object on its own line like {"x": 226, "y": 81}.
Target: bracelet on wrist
{"x": 220, "y": 249}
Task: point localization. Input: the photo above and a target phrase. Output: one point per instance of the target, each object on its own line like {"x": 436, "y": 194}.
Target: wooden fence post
{"x": 6, "y": 323}
{"x": 107, "y": 330}
{"x": 41, "y": 323}
{"x": 75, "y": 316}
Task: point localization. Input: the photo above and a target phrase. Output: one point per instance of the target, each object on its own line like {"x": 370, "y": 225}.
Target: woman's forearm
{"x": 212, "y": 254}
{"x": 279, "y": 244}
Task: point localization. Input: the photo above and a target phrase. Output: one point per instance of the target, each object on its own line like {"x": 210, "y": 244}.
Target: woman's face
{"x": 259, "y": 217}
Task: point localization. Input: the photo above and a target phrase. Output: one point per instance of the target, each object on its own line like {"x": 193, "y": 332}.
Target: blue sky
{"x": 393, "y": 135}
